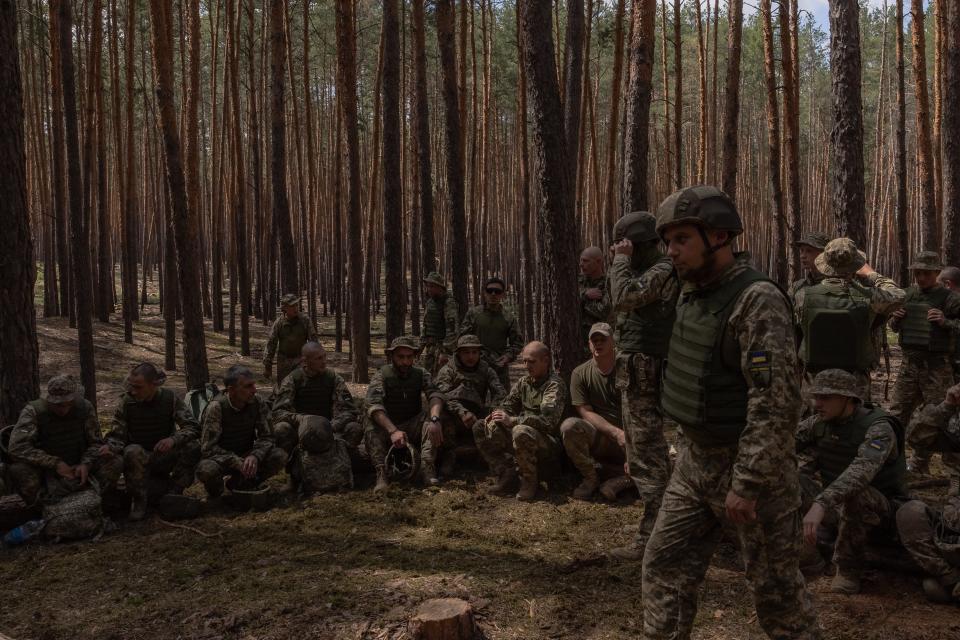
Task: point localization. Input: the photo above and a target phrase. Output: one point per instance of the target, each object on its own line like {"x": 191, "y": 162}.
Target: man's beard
{"x": 703, "y": 272}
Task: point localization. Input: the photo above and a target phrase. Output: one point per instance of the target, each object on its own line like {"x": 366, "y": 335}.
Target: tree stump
{"x": 443, "y": 619}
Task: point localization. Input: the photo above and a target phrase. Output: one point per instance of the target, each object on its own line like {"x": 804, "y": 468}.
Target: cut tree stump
{"x": 443, "y": 619}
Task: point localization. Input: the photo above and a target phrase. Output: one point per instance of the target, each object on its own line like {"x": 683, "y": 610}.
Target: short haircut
{"x": 234, "y": 374}
{"x": 494, "y": 280}
{"x": 310, "y": 346}
{"x": 149, "y": 372}
{"x": 952, "y": 274}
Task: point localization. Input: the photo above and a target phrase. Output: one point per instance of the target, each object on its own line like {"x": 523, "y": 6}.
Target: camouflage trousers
{"x": 920, "y": 381}
{"x": 211, "y": 472}
{"x": 378, "y": 444}
{"x": 34, "y": 483}
{"x": 175, "y": 467}
{"x": 932, "y": 539}
{"x": 285, "y": 366}
{"x": 288, "y": 434}
{"x": 687, "y": 531}
{"x": 585, "y": 445}
{"x": 648, "y": 456}
{"x": 532, "y": 451}
{"x": 431, "y": 355}
{"x": 320, "y": 471}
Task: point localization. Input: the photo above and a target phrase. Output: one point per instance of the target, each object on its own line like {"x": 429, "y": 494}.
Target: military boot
{"x": 428, "y": 473}
{"x": 615, "y": 486}
{"x": 506, "y": 480}
{"x": 935, "y": 591}
{"x": 846, "y": 583}
{"x": 529, "y": 485}
{"x": 585, "y": 489}
{"x": 448, "y": 462}
{"x": 138, "y": 507}
{"x": 628, "y": 553}
{"x": 382, "y": 482}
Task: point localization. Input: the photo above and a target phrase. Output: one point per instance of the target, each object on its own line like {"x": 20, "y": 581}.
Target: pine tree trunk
{"x": 951, "y": 135}
{"x": 422, "y": 133}
{"x": 57, "y": 155}
{"x": 392, "y": 178}
{"x": 929, "y": 223}
{"x": 731, "y": 101}
{"x": 677, "y": 97}
{"x": 278, "y": 159}
{"x": 610, "y": 209}
{"x": 773, "y": 142}
{"x": 573, "y": 80}
{"x": 639, "y": 93}
{"x": 527, "y": 264}
{"x": 900, "y": 162}
{"x": 129, "y": 243}
{"x": 791, "y": 132}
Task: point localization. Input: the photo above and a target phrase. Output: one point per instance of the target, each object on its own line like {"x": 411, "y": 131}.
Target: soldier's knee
{"x": 523, "y": 434}
{"x": 208, "y": 470}
{"x": 479, "y": 430}
{"x": 569, "y": 426}
{"x": 135, "y": 454}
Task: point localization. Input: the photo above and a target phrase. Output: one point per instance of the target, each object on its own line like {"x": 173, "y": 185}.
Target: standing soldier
{"x": 496, "y": 328}
{"x": 644, "y": 289}
{"x": 810, "y": 246}
{"x": 731, "y": 383}
{"x": 288, "y": 334}
{"x": 837, "y": 315}
{"x": 156, "y": 435}
{"x": 594, "y": 302}
{"x": 523, "y": 432}
{"x": 440, "y": 319}
{"x": 927, "y": 325}
{"x": 395, "y": 416}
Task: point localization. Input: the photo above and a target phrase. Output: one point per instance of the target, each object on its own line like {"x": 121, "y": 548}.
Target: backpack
{"x": 198, "y": 399}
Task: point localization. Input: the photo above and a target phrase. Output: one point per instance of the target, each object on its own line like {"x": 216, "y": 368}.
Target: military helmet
{"x": 316, "y": 434}
{"x": 637, "y": 226}
{"x": 402, "y": 463}
{"x": 815, "y": 239}
{"x": 840, "y": 258}
{"x": 836, "y": 382}
{"x": 926, "y": 261}
{"x": 704, "y": 206}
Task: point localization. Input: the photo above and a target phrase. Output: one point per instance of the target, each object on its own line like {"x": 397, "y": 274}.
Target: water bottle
{"x": 23, "y": 533}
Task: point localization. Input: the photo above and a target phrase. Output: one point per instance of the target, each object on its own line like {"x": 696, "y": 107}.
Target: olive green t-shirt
{"x": 589, "y": 386}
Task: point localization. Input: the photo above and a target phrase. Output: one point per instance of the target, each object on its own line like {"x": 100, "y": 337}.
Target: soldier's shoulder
{"x": 556, "y": 380}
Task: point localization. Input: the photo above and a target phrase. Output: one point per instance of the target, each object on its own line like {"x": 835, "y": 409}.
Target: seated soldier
{"x": 524, "y": 430}
{"x": 155, "y": 434}
{"x": 55, "y": 447}
{"x": 858, "y": 450}
{"x": 395, "y": 416}
{"x": 470, "y": 387}
{"x": 597, "y": 434}
{"x": 236, "y": 440}
{"x": 314, "y": 390}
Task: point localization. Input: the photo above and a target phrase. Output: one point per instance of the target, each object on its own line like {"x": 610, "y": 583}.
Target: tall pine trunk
{"x": 392, "y": 178}
{"x": 951, "y": 136}
{"x": 638, "y": 105}
{"x": 773, "y": 142}
{"x": 929, "y": 224}
{"x": 731, "y": 101}
{"x": 573, "y": 80}
{"x": 422, "y": 133}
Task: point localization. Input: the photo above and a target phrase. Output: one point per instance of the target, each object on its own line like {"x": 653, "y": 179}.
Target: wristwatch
{"x": 434, "y": 419}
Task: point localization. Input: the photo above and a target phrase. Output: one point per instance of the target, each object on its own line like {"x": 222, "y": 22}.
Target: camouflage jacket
{"x": 23, "y": 439}
{"x": 629, "y": 290}
{"x": 118, "y": 436}
{"x": 210, "y": 437}
{"x": 451, "y": 318}
{"x": 883, "y": 293}
{"x": 940, "y": 418}
{"x": 593, "y": 311}
{"x": 271, "y": 347}
{"x": 344, "y": 408}
{"x": 807, "y": 280}
{"x": 513, "y": 340}
{"x": 538, "y": 404}
{"x": 480, "y": 386}
{"x": 879, "y": 445}
{"x": 376, "y": 395}
{"x": 951, "y": 314}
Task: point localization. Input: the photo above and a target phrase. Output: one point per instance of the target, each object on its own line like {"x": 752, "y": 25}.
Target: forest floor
{"x": 355, "y": 565}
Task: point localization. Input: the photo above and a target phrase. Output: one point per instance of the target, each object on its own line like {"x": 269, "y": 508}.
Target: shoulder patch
{"x": 759, "y": 368}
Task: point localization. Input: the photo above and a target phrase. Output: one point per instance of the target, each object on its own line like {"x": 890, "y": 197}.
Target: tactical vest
{"x": 292, "y": 337}
{"x": 836, "y": 326}
{"x": 837, "y": 446}
{"x": 238, "y": 429}
{"x": 62, "y": 436}
{"x": 703, "y": 386}
{"x": 152, "y": 421}
{"x": 402, "y": 396}
{"x": 647, "y": 329}
{"x": 314, "y": 395}
{"x": 918, "y": 333}
{"x": 434, "y": 324}
{"x": 493, "y": 331}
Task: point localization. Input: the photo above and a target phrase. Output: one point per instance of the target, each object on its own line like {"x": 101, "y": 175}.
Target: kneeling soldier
{"x": 236, "y": 440}
{"x": 155, "y": 434}
{"x": 858, "y": 449}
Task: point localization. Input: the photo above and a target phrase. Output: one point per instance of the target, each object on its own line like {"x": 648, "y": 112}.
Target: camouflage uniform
{"x": 816, "y": 240}
{"x": 933, "y": 540}
{"x": 321, "y": 461}
{"x": 224, "y": 450}
{"x": 592, "y": 311}
{"x": 41, "y": 440}
{"x": 499, "y": 332}
{"x": 287, "y": 338}
{"x": 440, "y": 319}
{"x": 533, "y": 442}
{"x": 135, "y": 431}
{"x": 291, "y": 406}
{"x": 469, "y": 390}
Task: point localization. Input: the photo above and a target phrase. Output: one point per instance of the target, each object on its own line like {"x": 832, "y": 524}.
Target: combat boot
{"x": 845, "y": 583}
{"x": 428, "y": 473}
{"x": 627, "y": 553}
{"x": 935, "y": 591}
{"x": 585, "y": 489}
{"x": 138, "y": 507}
{"x": 448, "y": 462}
{"x": 506, "y": 480}
{"x": 382, "y": 482}
{"x": 528, "y": 488}
{"x": 614, "y": 486}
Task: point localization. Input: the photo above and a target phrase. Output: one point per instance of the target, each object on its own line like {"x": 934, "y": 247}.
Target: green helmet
{"x": 704, "y": 206}
{"x": 638, "y": 226}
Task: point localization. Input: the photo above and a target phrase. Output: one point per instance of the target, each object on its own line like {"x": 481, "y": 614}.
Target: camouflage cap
{"x": 840, "y": 258}
{"x": 835, "y": 382}
{"x": 62, "y": 389}
{"x": 926, "y": 261}
{"x": 405, "y": 342}
{"x": 434, "y": 277}
{"x": 469, "y": 341}
{"x": 813, "y": 239}
{"x": 601, "y": 327}
{"x": 290, "y": 300}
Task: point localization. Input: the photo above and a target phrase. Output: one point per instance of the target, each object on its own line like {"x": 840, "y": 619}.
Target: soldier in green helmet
{"x": 643, "y": 290}
{"x": 496, "y": 327}
{"x": 857, "y": 450}
{"x": 288, "y": 334}
{"x": 440, "y": 319}
{"x": 395, "y": 416}
{"x": 810, "y": 245}
{"x": 927, "y": 325}
{"x": 592, "y": 285}
{"x": 731, "y": 383}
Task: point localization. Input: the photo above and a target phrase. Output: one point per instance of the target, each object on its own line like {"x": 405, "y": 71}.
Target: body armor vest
{"x": 402, "y": 396}
{"x": 63, "y": 437}
{"x": 918, "y": 333}
{"x": 647, "y": 329}
{"x": 291, "y": 339}
{"x": 238, "y": 429}
{"x": 314, "y": 395}
{"x": 837, "y": 446}
{"x": 703, "y": 387}
{"x": 434, "y": 324}
{"x": 151, "y": 421}
{"x": 836, "y": 328}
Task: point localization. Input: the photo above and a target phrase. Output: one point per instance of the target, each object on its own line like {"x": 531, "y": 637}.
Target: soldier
{"x": 857, "y": 448}
{"x": 56, "y": 447}
{"x": 837, "y": 315}
{"x": 731, "y": 383}
{"x": 927, "y": 322}
{"x": 395, "y": 416}
{"x": 440, "y": 318}
{"x": 950, "y": 278}
{"x": 644, "y": 289}
{"x": 236, "y": 440}
{"x": 524, "y": 430}
{"x": 809, "y": 246}
{"x": 312, "y": 389}
{"x": 597, "y": 434}
{"x": 155, "y": 434}
{"x": 496, "y": 328}
{"x": 594, "y": 303}
{"x": 287, "y": 336}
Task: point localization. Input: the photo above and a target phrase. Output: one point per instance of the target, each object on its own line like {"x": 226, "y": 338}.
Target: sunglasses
{"x": 495, "y": 291}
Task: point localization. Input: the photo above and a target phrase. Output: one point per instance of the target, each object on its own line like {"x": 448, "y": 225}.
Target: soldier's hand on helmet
{"x": 65, "y": 470}
{"x": 81, "y": 471}
{"x": 164, "y": 445}
{"x": 900, "y": 313}
{"x": 739, "y": 509}
{"x": 398, "y": 438}
{"x": 953, "y": 396}
{"x": 623, "y": 248}
{"x": 811, "y": 521}
{"x": 249, "y": 467}
{"x": 468, "y": 419}
{"x": 435, "y": 433}
{"x": 594, "y": 293}
{"x": 936, "y": 316}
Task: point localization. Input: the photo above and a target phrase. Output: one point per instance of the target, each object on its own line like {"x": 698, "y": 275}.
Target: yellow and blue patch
{"x": 759, "y": 368}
